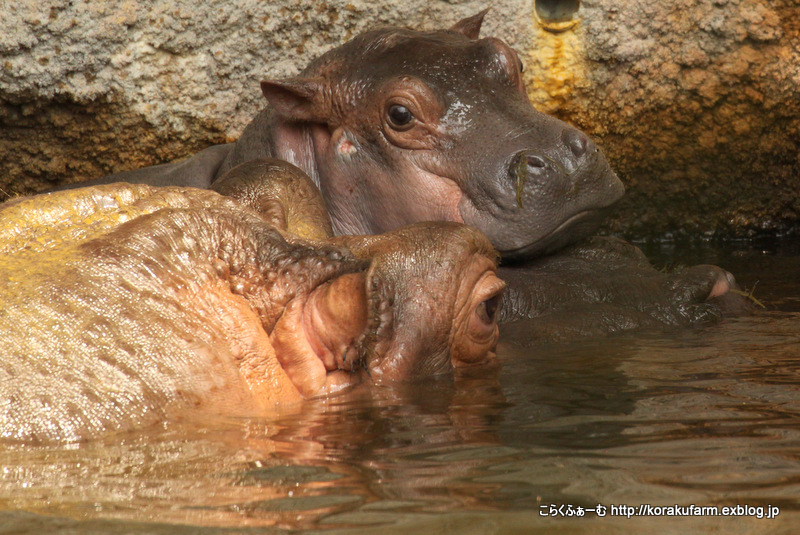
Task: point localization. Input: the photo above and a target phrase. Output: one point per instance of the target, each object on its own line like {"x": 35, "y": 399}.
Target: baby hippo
{"x": 556, "y": 297}
{"x": 122, "y": 306}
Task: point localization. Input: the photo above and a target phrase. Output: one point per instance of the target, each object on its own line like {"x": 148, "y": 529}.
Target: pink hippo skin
{"x": 125, "y": 305}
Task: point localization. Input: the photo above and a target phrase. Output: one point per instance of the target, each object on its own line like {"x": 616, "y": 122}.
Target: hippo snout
{"x": 556, "y": 170}
{"x": 548, "y": 193}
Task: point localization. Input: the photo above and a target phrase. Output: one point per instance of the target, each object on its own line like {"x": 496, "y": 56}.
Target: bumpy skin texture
{"x": 399, "y": 126}
{"x": 557, "y": 297}
{"x": 110, "y": 325}
{"x": 421, "y": 262}
{"x": 123, "y": 305}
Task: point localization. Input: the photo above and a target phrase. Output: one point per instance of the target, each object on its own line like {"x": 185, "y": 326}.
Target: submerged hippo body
{"x": 560, "y": 297}
{"x": 400, "y": 126}
{"x": 123, "y": 305}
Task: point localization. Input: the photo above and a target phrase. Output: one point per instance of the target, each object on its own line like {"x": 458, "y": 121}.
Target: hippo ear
{"x": 470, "y": 27}
{"x": 297, "y": 99}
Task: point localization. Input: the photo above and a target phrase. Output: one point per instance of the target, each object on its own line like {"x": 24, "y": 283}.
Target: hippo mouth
{"x": 576, "y": 227}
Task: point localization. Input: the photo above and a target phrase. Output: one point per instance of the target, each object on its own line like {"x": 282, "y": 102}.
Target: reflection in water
{"x": 706, "y": 417}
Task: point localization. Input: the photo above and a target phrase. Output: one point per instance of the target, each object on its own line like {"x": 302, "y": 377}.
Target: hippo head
{"x": 435, "y": 298}
{"x": 409, "y": 126}
{"x": 427, "y": 304}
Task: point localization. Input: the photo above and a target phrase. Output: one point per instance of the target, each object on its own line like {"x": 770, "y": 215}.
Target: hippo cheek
{"x": 365, "y": 196}
{"x": 421, "y": 196}
{"x": 315, "y": 332}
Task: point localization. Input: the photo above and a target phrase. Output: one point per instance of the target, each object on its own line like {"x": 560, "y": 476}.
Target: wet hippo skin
{"x": 563, "y": 297}
{"x": 122, "y": 306}
{"x": 398, "y": 126}
{"x": 595, "y": 287}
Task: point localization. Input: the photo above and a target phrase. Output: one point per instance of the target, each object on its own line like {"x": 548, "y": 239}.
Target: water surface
{"x": 709, "y": 417}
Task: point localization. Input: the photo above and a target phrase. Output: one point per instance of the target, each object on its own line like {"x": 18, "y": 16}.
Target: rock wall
{"x": 695, "y": 101}
{"x": 93, "y": 87}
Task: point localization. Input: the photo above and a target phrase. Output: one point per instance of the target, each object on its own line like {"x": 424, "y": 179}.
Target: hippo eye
{"x": 400, "y": 117}
{"x": 487, "y": 310}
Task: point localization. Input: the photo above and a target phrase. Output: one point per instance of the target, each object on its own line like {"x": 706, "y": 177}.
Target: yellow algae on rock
{"x": 554, "y": 68}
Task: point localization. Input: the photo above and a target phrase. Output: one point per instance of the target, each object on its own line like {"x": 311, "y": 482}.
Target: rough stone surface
{"x": 93, "y": 87}
{"x": 696, "y": 102}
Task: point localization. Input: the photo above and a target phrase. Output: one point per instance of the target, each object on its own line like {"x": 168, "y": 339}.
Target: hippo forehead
{"x": 443, "y": 59}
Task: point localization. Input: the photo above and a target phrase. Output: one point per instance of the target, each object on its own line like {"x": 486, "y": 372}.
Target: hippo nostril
{"x": 527, "y": 165}
{"x": 576, "y": 141}
{"x": 535, "y": 162}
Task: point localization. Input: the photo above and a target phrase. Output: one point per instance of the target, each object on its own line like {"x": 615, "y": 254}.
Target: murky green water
{"x": 709, "y": 417}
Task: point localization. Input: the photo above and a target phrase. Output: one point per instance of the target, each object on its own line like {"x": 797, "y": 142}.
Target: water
{"x": 709, "y": 417}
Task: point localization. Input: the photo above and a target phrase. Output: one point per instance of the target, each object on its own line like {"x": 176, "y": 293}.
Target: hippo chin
{"x": 125, "y": 305}
{"x": 398, "y": 126}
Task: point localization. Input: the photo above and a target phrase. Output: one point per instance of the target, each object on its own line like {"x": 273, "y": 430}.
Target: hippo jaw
{"x": 580, "y": 225}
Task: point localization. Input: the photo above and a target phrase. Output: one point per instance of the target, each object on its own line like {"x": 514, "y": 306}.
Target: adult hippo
{"x": 559, "y": 296}
{"x": 398, "y": 126}
{"x": 125, "y": 305}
